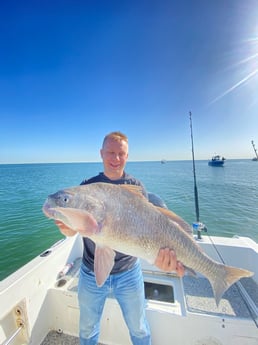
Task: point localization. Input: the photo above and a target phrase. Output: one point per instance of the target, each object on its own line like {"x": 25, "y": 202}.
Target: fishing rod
{"x": 197, "y": 225}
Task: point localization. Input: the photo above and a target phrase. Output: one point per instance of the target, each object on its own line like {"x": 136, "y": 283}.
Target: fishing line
{"x": 242, "y": 292}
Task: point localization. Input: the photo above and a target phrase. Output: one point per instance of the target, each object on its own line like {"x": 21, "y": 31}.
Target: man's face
{"x": 114, "y": 155}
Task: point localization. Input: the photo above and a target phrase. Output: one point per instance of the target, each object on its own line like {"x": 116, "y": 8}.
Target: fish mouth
{"x": 48, "y": 210}
{"x": 52, "y": 212}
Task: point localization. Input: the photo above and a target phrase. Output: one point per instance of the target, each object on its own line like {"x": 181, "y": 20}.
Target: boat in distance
{"x": 39, "y": 303}
{"x": 217, "y": 161}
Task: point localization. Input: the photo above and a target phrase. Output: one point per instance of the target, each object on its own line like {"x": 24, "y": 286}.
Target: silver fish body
{"x": 118, "y": 217}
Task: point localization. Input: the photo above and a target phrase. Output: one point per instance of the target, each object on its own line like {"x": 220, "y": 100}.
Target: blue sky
{"x": 72, "y": 71}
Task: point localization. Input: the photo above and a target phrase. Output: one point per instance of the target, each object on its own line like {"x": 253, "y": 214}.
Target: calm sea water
{"x": 227, "y": 200}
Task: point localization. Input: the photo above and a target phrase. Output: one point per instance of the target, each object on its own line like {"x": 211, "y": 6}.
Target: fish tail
{"x": 225, "y": 277}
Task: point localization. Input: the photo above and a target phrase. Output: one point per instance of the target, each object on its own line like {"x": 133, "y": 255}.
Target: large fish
{"x": 118, "y": 217}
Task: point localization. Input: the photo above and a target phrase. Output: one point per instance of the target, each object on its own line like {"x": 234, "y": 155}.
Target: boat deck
{"x": 198, "y": 300}
{"x": 54, "y": 338}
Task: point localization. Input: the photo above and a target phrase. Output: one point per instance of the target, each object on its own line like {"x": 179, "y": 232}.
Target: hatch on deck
{"x": 159, "y": 292}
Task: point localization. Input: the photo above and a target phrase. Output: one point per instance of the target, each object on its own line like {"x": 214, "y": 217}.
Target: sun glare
{"x": 246, "y": 68}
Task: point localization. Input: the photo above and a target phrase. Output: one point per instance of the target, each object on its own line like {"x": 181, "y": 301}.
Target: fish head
{"x": 59, "y": 199}
{"x": 79, "y": 197}
{"x": 79, "y": 211}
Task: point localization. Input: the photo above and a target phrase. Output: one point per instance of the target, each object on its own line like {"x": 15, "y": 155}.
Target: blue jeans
{"x": 128, "y": 288}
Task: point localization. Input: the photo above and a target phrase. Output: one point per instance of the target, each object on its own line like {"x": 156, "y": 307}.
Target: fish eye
{"x": 66, "y": 199}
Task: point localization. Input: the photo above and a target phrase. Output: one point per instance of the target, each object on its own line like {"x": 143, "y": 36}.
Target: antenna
{"x": 255, "y": 151}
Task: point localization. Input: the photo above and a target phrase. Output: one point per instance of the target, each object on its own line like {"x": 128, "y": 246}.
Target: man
{"x": 125, "y": 280}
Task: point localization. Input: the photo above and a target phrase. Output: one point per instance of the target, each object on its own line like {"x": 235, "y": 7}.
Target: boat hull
{"x": 216, "y": 163}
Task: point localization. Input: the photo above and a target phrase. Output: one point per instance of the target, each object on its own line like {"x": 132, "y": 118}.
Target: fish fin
{"x": 225, "y": 277}
{"x": 175, "y": 218}
{"x": 103, "y": 263}
{"x": 135, "y": 189}
{"x": 78, "y": 220}
{"x": 190, "y": 271}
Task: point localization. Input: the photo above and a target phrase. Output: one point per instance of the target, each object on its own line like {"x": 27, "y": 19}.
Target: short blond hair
{"x": 117, "y": 136}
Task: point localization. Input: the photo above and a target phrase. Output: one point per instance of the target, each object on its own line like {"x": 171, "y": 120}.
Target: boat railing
{"x": 11, "y": 338}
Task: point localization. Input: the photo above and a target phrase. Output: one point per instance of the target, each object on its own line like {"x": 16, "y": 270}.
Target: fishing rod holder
{"x": 199, "y": 227}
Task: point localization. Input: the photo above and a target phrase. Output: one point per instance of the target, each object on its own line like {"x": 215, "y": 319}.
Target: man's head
{"x": 114, "y": 154}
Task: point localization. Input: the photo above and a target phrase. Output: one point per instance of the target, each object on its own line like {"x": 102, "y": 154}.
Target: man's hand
{"x": 64, "y": 229}
{"x": 167, "y": 261}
